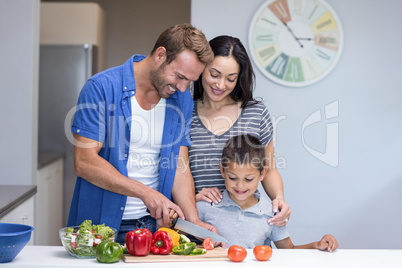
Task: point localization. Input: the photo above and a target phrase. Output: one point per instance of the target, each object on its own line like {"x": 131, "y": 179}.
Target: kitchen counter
{"x": 13, "y": 195}
{"x": 46, "y": 157}
{"x": 45, "y": 256}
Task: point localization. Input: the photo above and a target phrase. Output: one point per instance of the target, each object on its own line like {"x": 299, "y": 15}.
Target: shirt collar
{"x": 263, "y": 207}
{"x": 128, "y": 72}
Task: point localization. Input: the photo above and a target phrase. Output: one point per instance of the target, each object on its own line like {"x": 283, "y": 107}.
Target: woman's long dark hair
{"x": 225, "y": 45}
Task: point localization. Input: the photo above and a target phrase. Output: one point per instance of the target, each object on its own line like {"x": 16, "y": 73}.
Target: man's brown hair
{"x": 181, "y": 37}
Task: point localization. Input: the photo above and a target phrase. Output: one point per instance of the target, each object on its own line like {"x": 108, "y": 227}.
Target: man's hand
{"x": 280, "y": 207}
{"x": 172, "y": 216}
{"x": 160, "y": 208}
{"x": 209, "y": 195}
{"x": 212, "y": 229}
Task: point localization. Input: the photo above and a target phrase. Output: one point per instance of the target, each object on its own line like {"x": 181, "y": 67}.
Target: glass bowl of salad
{"x": 81, "y": 241}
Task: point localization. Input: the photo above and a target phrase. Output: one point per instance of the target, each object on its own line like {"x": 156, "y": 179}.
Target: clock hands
{"x": 301, "y": 38}
{"x": 290, "y": 30}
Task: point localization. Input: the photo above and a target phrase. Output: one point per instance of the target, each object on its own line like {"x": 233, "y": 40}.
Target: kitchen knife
{"x": 196, "y": 230}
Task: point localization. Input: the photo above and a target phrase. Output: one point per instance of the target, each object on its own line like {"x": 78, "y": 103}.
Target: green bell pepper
{"x": 199, "y": 251}
{"x": 108, "y": 252}
{"x": 184, "y": 249}
{"x": 184, "y": 239}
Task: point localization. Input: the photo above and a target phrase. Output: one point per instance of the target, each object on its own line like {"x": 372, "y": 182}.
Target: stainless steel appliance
{"x": 64, "y": 69}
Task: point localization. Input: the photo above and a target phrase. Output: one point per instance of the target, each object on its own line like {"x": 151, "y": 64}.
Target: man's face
{"x": 177, "y": 75}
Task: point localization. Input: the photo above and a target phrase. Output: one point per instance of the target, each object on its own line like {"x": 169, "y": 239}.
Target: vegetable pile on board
{"x": 141, "y": 242}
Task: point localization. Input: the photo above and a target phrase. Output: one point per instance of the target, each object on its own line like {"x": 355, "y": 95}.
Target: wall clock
{"x": 295, "y": 43}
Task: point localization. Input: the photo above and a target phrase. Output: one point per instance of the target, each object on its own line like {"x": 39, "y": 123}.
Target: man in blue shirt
{"x": 131, "y": 130}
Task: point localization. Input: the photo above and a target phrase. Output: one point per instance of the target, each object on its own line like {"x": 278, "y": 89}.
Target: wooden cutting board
{"x": 217, "y": 254}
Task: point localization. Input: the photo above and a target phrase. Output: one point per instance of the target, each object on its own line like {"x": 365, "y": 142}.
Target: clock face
{"x": 295, "y": 42}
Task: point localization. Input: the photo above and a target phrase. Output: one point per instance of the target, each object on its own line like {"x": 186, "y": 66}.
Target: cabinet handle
{"x": 24, "y": 219}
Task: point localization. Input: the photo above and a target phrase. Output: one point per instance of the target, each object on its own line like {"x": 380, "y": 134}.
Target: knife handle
{"x": 174, "y": 221}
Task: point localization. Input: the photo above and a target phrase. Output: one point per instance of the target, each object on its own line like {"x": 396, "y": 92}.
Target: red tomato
{"x": 73, "y": 245}
{"x": 262, "y": 253}
{"x": 237, "y": 253}
{"x": 207, "y": 243}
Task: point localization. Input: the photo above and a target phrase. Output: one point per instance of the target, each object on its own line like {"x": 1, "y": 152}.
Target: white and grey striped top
{"x": 206, "y": 148}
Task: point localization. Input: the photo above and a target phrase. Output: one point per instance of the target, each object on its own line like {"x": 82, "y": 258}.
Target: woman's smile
{"x": 217, "y": 91}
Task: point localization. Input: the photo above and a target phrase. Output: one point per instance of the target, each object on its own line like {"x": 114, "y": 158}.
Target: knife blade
{"x": 196, "y": 230}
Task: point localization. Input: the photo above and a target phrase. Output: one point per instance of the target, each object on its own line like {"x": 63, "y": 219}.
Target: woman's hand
{"x": 280, "y": 207}
{"x": 209, "y": 195}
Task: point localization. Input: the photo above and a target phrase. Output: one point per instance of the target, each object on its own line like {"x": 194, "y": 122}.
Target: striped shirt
{"x": 205, "y": 151}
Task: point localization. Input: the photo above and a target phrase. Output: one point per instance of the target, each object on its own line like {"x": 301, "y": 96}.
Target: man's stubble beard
{"x": 158, "y": 82}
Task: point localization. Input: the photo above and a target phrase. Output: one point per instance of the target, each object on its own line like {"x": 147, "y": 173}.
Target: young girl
{"x": 241, "y": 217}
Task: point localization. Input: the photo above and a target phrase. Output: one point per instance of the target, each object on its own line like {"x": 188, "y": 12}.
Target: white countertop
{"x": 45, "y": 256}
{"x": 11, "y": 196}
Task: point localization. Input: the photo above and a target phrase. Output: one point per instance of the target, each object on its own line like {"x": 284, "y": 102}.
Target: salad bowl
{"x": 81, "y": 241}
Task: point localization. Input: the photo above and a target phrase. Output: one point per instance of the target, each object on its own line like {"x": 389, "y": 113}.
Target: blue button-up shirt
{"x": 103, "y": 114}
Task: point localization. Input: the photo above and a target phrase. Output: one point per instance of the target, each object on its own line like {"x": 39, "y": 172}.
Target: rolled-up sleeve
{"x": 89, "y": 118}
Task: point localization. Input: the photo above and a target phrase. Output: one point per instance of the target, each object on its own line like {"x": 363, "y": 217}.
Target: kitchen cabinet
{"x": 17, "y": 205}
{"x": 49, "y": 203}
{"x": 23, "y": 214}
{"x": 74, "y": 23}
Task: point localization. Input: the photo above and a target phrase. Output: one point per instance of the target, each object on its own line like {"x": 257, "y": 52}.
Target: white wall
{"x": 19, "y": 54}
{"x": 358, "y": 201}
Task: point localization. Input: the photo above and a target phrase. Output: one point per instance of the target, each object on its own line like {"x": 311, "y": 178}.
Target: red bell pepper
{"x": 161, "y": 243}
{"x": 138, "y": 242}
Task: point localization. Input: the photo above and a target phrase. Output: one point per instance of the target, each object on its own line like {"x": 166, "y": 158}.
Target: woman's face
{"x": 219, "y": 78}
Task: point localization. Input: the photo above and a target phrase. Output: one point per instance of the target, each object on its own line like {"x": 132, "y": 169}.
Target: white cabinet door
{"x": 23, "y": 214}
{"x": 49, "y": 204}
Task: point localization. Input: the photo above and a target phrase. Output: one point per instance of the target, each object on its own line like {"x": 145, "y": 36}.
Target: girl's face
{"x": 241, "y": 181}
{"x": 219, "y": 78}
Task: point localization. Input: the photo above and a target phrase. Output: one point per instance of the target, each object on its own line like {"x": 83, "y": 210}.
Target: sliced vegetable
{"x": 173, "y": 235}
{"x": 161, "y": 243}
{"x": 207, "y": 243}
{"x": 125, "y": 250}
{"x": 184, "y": 249}
{"x": 73, "y": 245}
{"x": 108, "y": 252}
{"x": 138, "y": 242}
{"x": 199, "y": 251}
{"x": 184, "y": 239}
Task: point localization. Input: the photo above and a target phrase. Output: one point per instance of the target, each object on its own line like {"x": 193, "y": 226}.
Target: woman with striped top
{"x": 224, "y": 107}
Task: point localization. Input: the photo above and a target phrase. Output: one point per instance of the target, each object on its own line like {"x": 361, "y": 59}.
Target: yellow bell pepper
{"x": 173, "y": 235}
